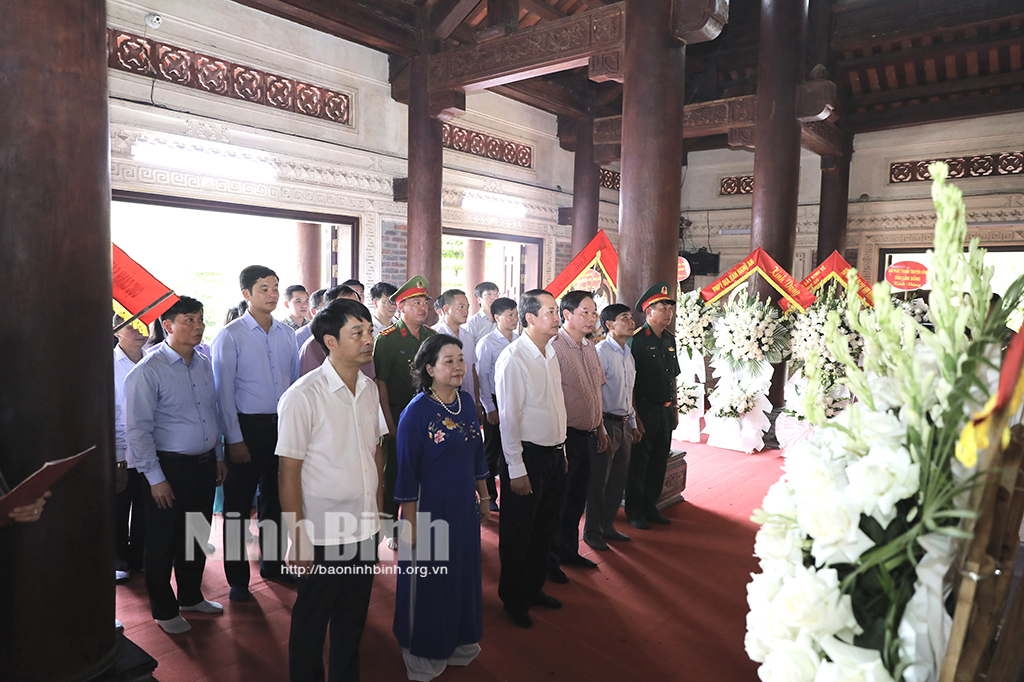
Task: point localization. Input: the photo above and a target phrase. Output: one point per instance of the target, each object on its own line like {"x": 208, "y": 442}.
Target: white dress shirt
{"x": 480, "y": 325}
{"x": 122, "y": 365}
{"x": 487, "y": 351}
{"x": 336, "y": 434}
{"x": 468, "y": 351}
{"x": 530, "y": 402}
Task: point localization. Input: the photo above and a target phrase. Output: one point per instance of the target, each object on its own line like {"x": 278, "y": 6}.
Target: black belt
{"x": 616, "y": 417}
{"x": 581, "y": 432}
{"x": 272, "y": 418}
{"x": 178, "y": 457}
{"x": 545, "y": 448}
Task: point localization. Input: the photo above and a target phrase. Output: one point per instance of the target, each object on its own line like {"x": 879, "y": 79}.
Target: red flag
{"x": 598, "y": 253}
{"x": 139, "y": 292}
{"x": 835, "y": 268}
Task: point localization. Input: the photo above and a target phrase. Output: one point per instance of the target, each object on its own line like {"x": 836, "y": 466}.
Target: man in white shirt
{"x": 384, "y": 308}
{"x": 483, "y": 322}
{"x": 453, "y": 313}
{"x": 331, "y": 467}
{"x": 531, "y": 412}
{"x": 132, "y": 488}
{"x": 487, "y": 351}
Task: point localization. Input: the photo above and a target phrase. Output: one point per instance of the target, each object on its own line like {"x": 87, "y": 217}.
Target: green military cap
{"x": 656, "y": 294}
{"x": 416, "y": 286}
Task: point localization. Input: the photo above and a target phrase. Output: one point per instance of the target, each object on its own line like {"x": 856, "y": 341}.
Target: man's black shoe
{"x": 545, "y": 601}
{"x": 658, "y": 518}
{"x": 577, "y": 560}
{"x": 238, "y": 593}
{"x": 521, "y": 619}
{"x": 558, "y": 576}
{"x": 596, "y": 543}
{"x": 615, "y": 535}
{"x": 640, "y": 523}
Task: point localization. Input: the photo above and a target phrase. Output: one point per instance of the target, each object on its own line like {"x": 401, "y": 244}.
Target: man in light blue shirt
{"x": 610, "y": 469}
{"x": 483, "y": 322}
{"x": 173, "y": 440}
{"x": 255, "y": 360}
{"x": 488, "y": 349}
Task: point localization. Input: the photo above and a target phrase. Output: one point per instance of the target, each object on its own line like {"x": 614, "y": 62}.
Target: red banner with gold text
{"x": 759, "y": 262}
{"x": 834, "y": 268}
{"x": 135, "y": 289}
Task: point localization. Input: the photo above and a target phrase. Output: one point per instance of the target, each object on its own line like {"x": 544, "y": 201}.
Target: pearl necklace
{"x": 458, "y": 399}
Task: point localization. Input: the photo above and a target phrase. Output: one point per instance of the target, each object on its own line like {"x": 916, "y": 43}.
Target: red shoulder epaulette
{"x": 387, "y": 330}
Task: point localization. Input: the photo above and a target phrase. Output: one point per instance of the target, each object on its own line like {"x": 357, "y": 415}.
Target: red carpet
{"x": 669, "y": 605}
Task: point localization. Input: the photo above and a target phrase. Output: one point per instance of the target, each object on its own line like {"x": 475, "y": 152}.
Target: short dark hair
{"x": 438, "y": 305}
{"x": 479, "y": 289}
{"x": 571, "y": 301}
{"x": 292, "y": 290}
{"x": 337, "y": 292}
{"x": 382, "y": 289}
{"x": 183, "y": 306}
{"x": 353, "y": 283}
{"x": 611, "y": 313}
{"x": 530, "y": 304}
{"x": 316, "y": 299}
{"x": 448, "y": 297}
{"x": 250, "y": 275}
{"x": 334, "y": 316}
{"x": 427, "y": 355}
{"x": 500, "y": 305}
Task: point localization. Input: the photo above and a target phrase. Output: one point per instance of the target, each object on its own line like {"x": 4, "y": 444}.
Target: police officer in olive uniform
{"x": 393, "y": 353}
{"x": 654, "y": 351}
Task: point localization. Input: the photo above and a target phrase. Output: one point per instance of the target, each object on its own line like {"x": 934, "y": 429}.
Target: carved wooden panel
{"x": 481, "y": 144}
{"x": 547, "y": 47}
{"x": 698, "y": 21}
{"x": 607, "y": 66}
{"x": 172, "y": 64}
{"x": 610, "y": 179}
{"x": 980, "y": 166}
{"x": 736, "y": 184}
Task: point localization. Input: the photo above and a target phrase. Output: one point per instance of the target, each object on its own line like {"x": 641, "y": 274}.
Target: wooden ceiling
{"x": 896, "y": 62}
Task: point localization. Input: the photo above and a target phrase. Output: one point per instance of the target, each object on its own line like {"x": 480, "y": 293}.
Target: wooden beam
{"x": 934, "y": 112}
{"x": 823, "y": 138}
{"x": 545, "y": 95}
{"x": 542, "y": 9}
{"x": 698, "y": 21}
{"x": 347, "y": 19}
{"x": 938, "y": 51}
{"x": 546, "y": 48}
{"x": 857, "y": 25}
{"x": 977, "y": 83}
{"x": 503, "y": 13}
{"x": 447, "y": 15}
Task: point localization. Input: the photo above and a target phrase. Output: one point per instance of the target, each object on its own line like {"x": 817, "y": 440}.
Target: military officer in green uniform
{"x": 393, "y": 353}
{"x": 654, "y": 351}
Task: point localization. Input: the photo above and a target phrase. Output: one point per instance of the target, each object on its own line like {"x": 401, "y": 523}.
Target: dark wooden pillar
{"x": 652, "y": 150}
{"x": 834, "y": 205}
{"x": 425, "y": 168}
{"x": 586, "y": 187}
{"x": 475, "y": 251}
{"x": 56, "y": 389}
{"x": 777, "y": 136}
{"x": 781, "y": 56}
{"x": 309, "y": 255}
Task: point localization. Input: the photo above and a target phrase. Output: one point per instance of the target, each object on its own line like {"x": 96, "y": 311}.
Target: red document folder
{"x": 33, "y": 487}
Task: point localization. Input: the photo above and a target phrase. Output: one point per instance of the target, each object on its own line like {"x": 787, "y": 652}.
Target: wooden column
{"x": 781, "y": 56}
{"x": 309, "y": 255}
{"x": 586, "y": 187}
{"x": 475, "y": 250}
{"x": 56, "y": 390}
{"x": 834, "y": 205}
{"x": 652, "y": 150}
{"x": 425, "y": 168}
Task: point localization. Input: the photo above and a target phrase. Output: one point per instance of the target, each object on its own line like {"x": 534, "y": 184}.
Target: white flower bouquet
{"x": 688, "y": 396}
{"x": 861, "y": 528}
{"x": 693, "y": 318}
{"x": 732, "y": 400}
{"x": 747, "y": 333}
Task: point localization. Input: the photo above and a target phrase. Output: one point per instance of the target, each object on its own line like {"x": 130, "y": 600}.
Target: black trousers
{"x": 130, "y": 520}
{"x": 648, "y": 460}
{"x": 495, "y": 455}
{"x": 580, "y": 447}
{"x": 389, "y": 446}
{"x": 259, "y": 432}
{"x": 338, "y": 601}
{"x": 193, "y": 483}
{"x": 526, "y": 526}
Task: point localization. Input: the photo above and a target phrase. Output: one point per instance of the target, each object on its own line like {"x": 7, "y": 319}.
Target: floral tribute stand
{"x": 747, "y": 336}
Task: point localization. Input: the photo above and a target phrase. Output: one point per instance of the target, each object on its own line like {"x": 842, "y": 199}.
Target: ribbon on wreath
{"x": 759, "y": 262}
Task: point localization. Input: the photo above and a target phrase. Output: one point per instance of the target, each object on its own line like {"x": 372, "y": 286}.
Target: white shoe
{"x": 120, "y": 576}
{"x": 174, "y": 626}
{"x": 205, "y": 606}
{"x": 393, "y": 544}
{"x": 118, "y": 625}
